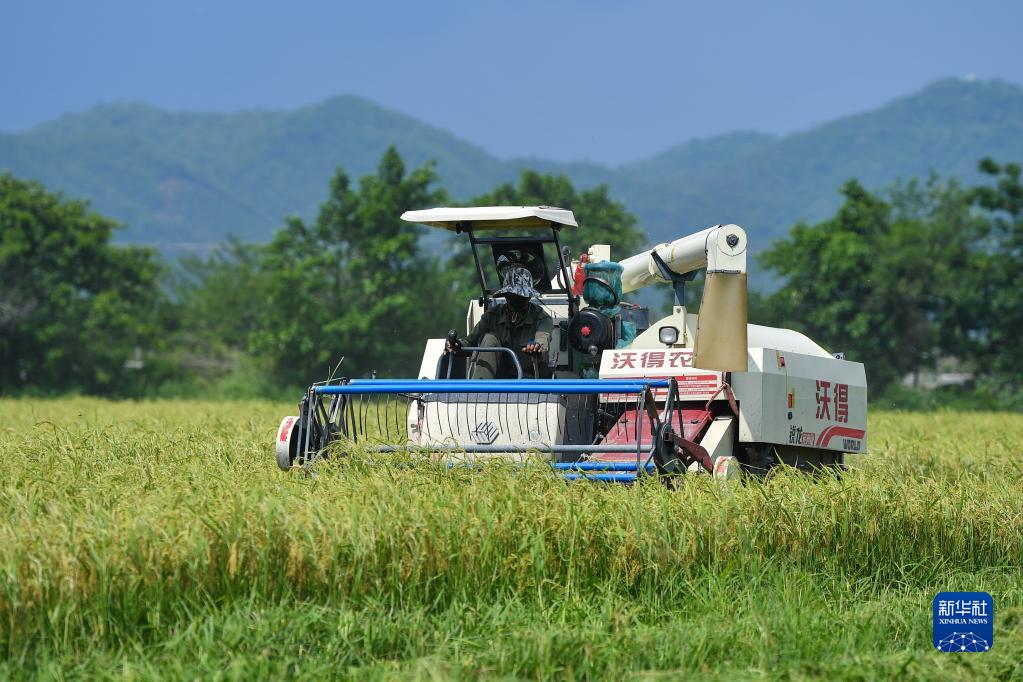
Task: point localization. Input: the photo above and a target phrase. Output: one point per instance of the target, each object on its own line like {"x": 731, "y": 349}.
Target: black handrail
{"x": 478, "y": 349}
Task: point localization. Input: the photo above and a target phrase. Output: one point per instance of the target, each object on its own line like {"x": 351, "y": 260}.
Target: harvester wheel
{"x": 810, "y": 461}
{"x": 836, "y": 465}
{"x": 666, "y": 457}
{"x": 287, "y": 442}
{"x": 759, "y": 459}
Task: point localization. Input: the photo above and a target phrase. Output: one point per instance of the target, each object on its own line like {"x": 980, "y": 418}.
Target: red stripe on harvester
{"x": 832, "y": 431}
{"x": 286, "y": 431}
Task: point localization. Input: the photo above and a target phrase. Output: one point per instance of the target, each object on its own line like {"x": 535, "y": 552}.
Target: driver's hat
{"x": 515, "y": 280}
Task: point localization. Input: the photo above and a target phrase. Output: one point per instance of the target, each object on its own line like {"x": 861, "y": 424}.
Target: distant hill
{"x": 183, "y": 181}
{"x": 179, "y": 179}
{"x": 767, "y": 183}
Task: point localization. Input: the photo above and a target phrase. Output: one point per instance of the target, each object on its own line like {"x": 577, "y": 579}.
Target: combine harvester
{"x": 687, "y": 393}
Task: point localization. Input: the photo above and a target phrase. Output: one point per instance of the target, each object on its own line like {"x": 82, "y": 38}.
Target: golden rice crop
{"x": 124, "y": 524}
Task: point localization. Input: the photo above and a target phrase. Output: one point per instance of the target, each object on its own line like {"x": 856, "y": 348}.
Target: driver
{"x": 518, "y": 323}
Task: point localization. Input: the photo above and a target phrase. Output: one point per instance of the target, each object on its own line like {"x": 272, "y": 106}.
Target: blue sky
{"x": 595, "y": 80}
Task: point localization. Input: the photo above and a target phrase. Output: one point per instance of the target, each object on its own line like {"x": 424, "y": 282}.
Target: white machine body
{"x": 530, "y": 420}
{"x": 793, "y": 395}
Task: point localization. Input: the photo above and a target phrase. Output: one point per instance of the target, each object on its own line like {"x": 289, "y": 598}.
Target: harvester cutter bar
{"x": 566, "y": 418}
{"x": 611, "y": 477}
{"x": 502, "y": 449}
{"x": 421, "y": 386}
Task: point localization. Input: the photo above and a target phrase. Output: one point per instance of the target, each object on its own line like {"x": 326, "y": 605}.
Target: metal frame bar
{"x": 479, "y": 269}
{"x": 678, "y": 281}
{"x": 420, "y": 386}
{"x": 475, "y": 242}
{"x": 539, "y": 385}
{"x": 510, "y": 449}
{"x": 573, "y": 302}
{"x": 611, "y": 477}
{"x": 597, "y": 466}
{"x": 477, "y": 349}
{"x": 511, "y": 239}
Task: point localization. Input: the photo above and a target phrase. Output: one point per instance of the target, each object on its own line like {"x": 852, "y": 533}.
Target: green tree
{"x": 602, "y": 220}
{"x": 354, "y": 283}
{"x": 940, "y": 249}
{"x": 219, "y": 294}
{"x": 219, "y": 304}
{"x": 73, "y": 308}
{"x": 875, "y": 280}
{"x": 998, "y": 274}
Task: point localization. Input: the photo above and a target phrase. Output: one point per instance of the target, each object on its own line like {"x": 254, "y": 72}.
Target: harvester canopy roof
{"x": 492, "y": 217}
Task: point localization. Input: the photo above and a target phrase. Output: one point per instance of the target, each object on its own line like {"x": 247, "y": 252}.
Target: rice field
{"x": 158, "y": 540}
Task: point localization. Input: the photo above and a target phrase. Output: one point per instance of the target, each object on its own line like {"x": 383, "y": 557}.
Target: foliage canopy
{"x": 73, "y": 308}
{"x": 900, "y": 280}
{"x": 923, "y": 274}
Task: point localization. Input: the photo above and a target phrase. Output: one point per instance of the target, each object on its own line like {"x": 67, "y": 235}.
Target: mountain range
{"x": 182, "y": 181}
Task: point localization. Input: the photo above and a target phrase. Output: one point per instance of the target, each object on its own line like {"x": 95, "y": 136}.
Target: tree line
{"x": 78, "y": 313}
{"x": 922, "y": 275}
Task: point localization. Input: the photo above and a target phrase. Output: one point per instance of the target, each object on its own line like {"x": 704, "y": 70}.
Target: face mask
{"x": 517, "y": 308}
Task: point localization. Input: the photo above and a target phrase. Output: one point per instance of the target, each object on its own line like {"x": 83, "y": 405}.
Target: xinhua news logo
{"x": 964, "y": 622}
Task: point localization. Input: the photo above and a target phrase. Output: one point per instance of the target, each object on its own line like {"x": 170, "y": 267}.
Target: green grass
{"x": 158, "y": 539}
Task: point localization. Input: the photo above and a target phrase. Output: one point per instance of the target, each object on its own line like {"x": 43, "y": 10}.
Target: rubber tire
{"x": 758, "y": 459}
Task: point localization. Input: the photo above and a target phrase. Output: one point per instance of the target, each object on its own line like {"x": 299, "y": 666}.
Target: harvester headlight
{"x": 668, "y": 335}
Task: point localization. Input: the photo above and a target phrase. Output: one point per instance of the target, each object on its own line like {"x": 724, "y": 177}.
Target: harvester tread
{"x": 758, "y": 459}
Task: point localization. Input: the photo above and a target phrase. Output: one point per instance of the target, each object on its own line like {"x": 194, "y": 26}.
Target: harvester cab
{"x": 534, "y": 244}
{"x": 620, "y": 397}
